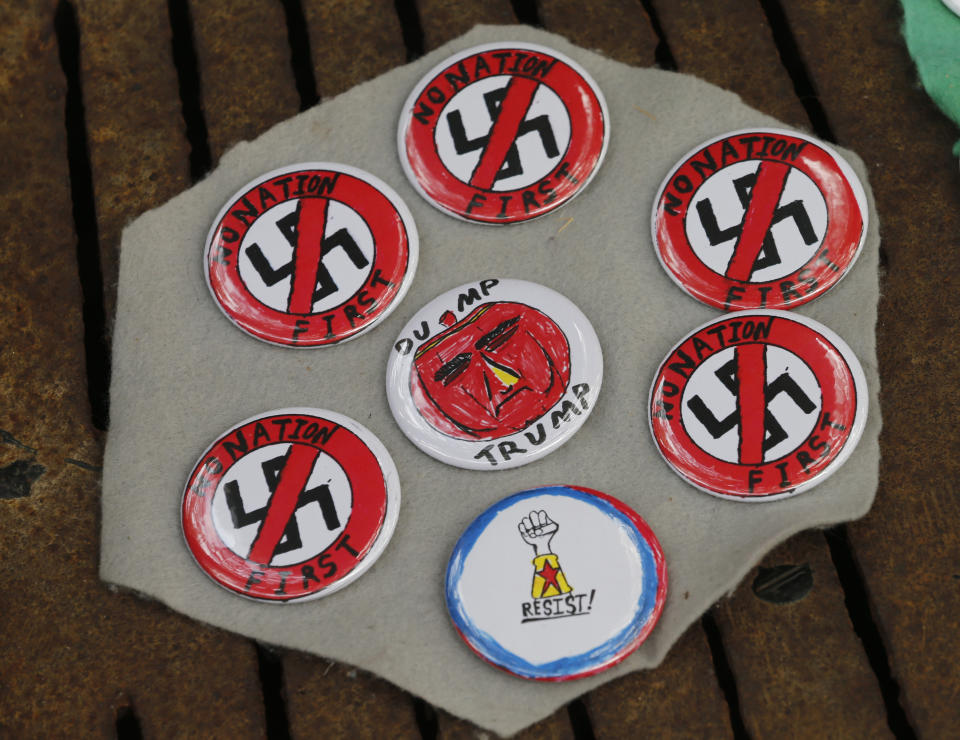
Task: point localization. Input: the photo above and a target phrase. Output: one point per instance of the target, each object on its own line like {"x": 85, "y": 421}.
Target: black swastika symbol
{"x": 511, "y": 164}
{"x": 773, "y": 431}
{"x": 291, "y": 534}
{"x": 326, "y": 285}
{"x": 768, "y": 255}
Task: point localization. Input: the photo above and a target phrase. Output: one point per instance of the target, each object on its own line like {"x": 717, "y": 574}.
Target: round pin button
{"x": 758, "y": 405}
{"x": 311, "y": 255}
{"x": 556, "y": 583}
{"x": 290, "y": 505}
{"x": 503, "y": 133}
{"x": 494, "y": 374}
{"x": 759, "y": 218}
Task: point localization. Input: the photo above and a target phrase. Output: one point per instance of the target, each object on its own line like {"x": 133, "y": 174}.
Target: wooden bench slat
{"x": 76, "y": 652}
{"x": 799, "y": 666}
{"x": 679, "y": 698}
{"x": 256, "y": 61}
{"x": 621, "y": 29}
{"x": 247, "y": 82}
{"x": 328, "y": 699}
{"x": 813, "y": 637}
{"x": 729, "y": 43}
{"x": 907, "y": 547}
{"x": 352, "y": 41}
{"x": 555, "y": 727}
{"x": 443, "y": 20}
{"x": 138, "y": 151}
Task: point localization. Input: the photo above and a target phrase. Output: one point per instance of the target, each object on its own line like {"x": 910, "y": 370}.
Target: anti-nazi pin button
{"x": 494, "y": 374}
{"x": 556, "y": 583}
{"x": 760, "y": 218}
{"x": 290, "y": 505}
{"x": 503, "y": 133}
{"x": 758, "y": 405}
{"x": 311, "y": 255}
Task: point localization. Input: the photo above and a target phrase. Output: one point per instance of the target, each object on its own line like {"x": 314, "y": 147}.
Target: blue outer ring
{"x": 487, "y": 646}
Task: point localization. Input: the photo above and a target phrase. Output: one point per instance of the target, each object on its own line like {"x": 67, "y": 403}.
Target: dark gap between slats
{"x": 851, "y": 578}
{"x": 793, "y": 62}
{"x": 188, "y": 79}
{"x": 426, "y": 717}
{"x": 270, "y": 667}
{"x": 858, "y": 607}
{"x": 127, "y": 725}
{"x": 300, "y": 57}
{"x": 410, "y": 27}
{"x": 84, "y": 219}
{"x": 662, "y": 55}
{"x": 580, "y": 720}
{"x": 724, "y": 673}
{"x": 526, "y": 12}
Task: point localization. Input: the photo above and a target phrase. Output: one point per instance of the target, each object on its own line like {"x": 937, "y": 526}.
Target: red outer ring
{"x": 839, "y": 399}
{"x": 660, "y": 599}
{"x": 230, "y": 570}
{"x": 837, "y": 252}
{"x": 584, "y": 152}
{"x": 391, "y": 259}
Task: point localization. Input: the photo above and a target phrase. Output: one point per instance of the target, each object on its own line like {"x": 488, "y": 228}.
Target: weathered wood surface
{"x": 908, "y": 547}
{"x": 76, "y": 657}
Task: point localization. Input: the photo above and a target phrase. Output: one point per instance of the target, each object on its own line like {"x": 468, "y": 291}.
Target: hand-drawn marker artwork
{"x": 290, "y": 505}
{"x": 494, "y": 374}
{"x": 758, "y": 405}
{"x": 759, "y": 218}
{"x": 537, "y": 530}
{"x": 556, "y": 583}
{"x": 503, "y": 133}
{"x": 311, "y": 255}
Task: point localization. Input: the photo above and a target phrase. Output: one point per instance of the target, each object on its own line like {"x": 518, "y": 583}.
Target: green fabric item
{"x": 933, "y": 38}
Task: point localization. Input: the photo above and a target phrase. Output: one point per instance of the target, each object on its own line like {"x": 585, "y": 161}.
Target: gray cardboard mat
{"x": 182, "y": 374}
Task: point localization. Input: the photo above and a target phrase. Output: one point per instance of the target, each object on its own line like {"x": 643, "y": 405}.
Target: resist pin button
{"x": 311, "y": 255}
{"x": 503, "y": 133}
{"x": 556, "y": 583}
{"x": 494, "y": 374}
{"x": 290, "y": 505}
{"x": 759, "y": 218}
{"x": 758, "y": 405}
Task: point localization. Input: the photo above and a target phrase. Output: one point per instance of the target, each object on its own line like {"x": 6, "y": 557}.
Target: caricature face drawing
{"x": 493, "y": 372}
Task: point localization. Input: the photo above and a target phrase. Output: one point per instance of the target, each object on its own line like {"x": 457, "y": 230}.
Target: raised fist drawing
{"x": 537, "y": 530}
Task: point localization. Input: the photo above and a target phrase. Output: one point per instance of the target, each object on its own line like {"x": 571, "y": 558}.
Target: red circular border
{"x": 391, "y": 259}
{"x": 837, "y": 251}
{"x": 588, "y": 129}
{"x": 231, "y": 571}
{"x": 839, "y": 396}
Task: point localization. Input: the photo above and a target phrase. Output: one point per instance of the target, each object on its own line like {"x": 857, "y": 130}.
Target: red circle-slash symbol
{"x": 492, "y": 373}
{"x": 759, "y": 219}
{"x": 777, "y": 407}
{"x": 284, "y": 506}
{"x": 503, "y": 134}
{"x": 310, "y": 257}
